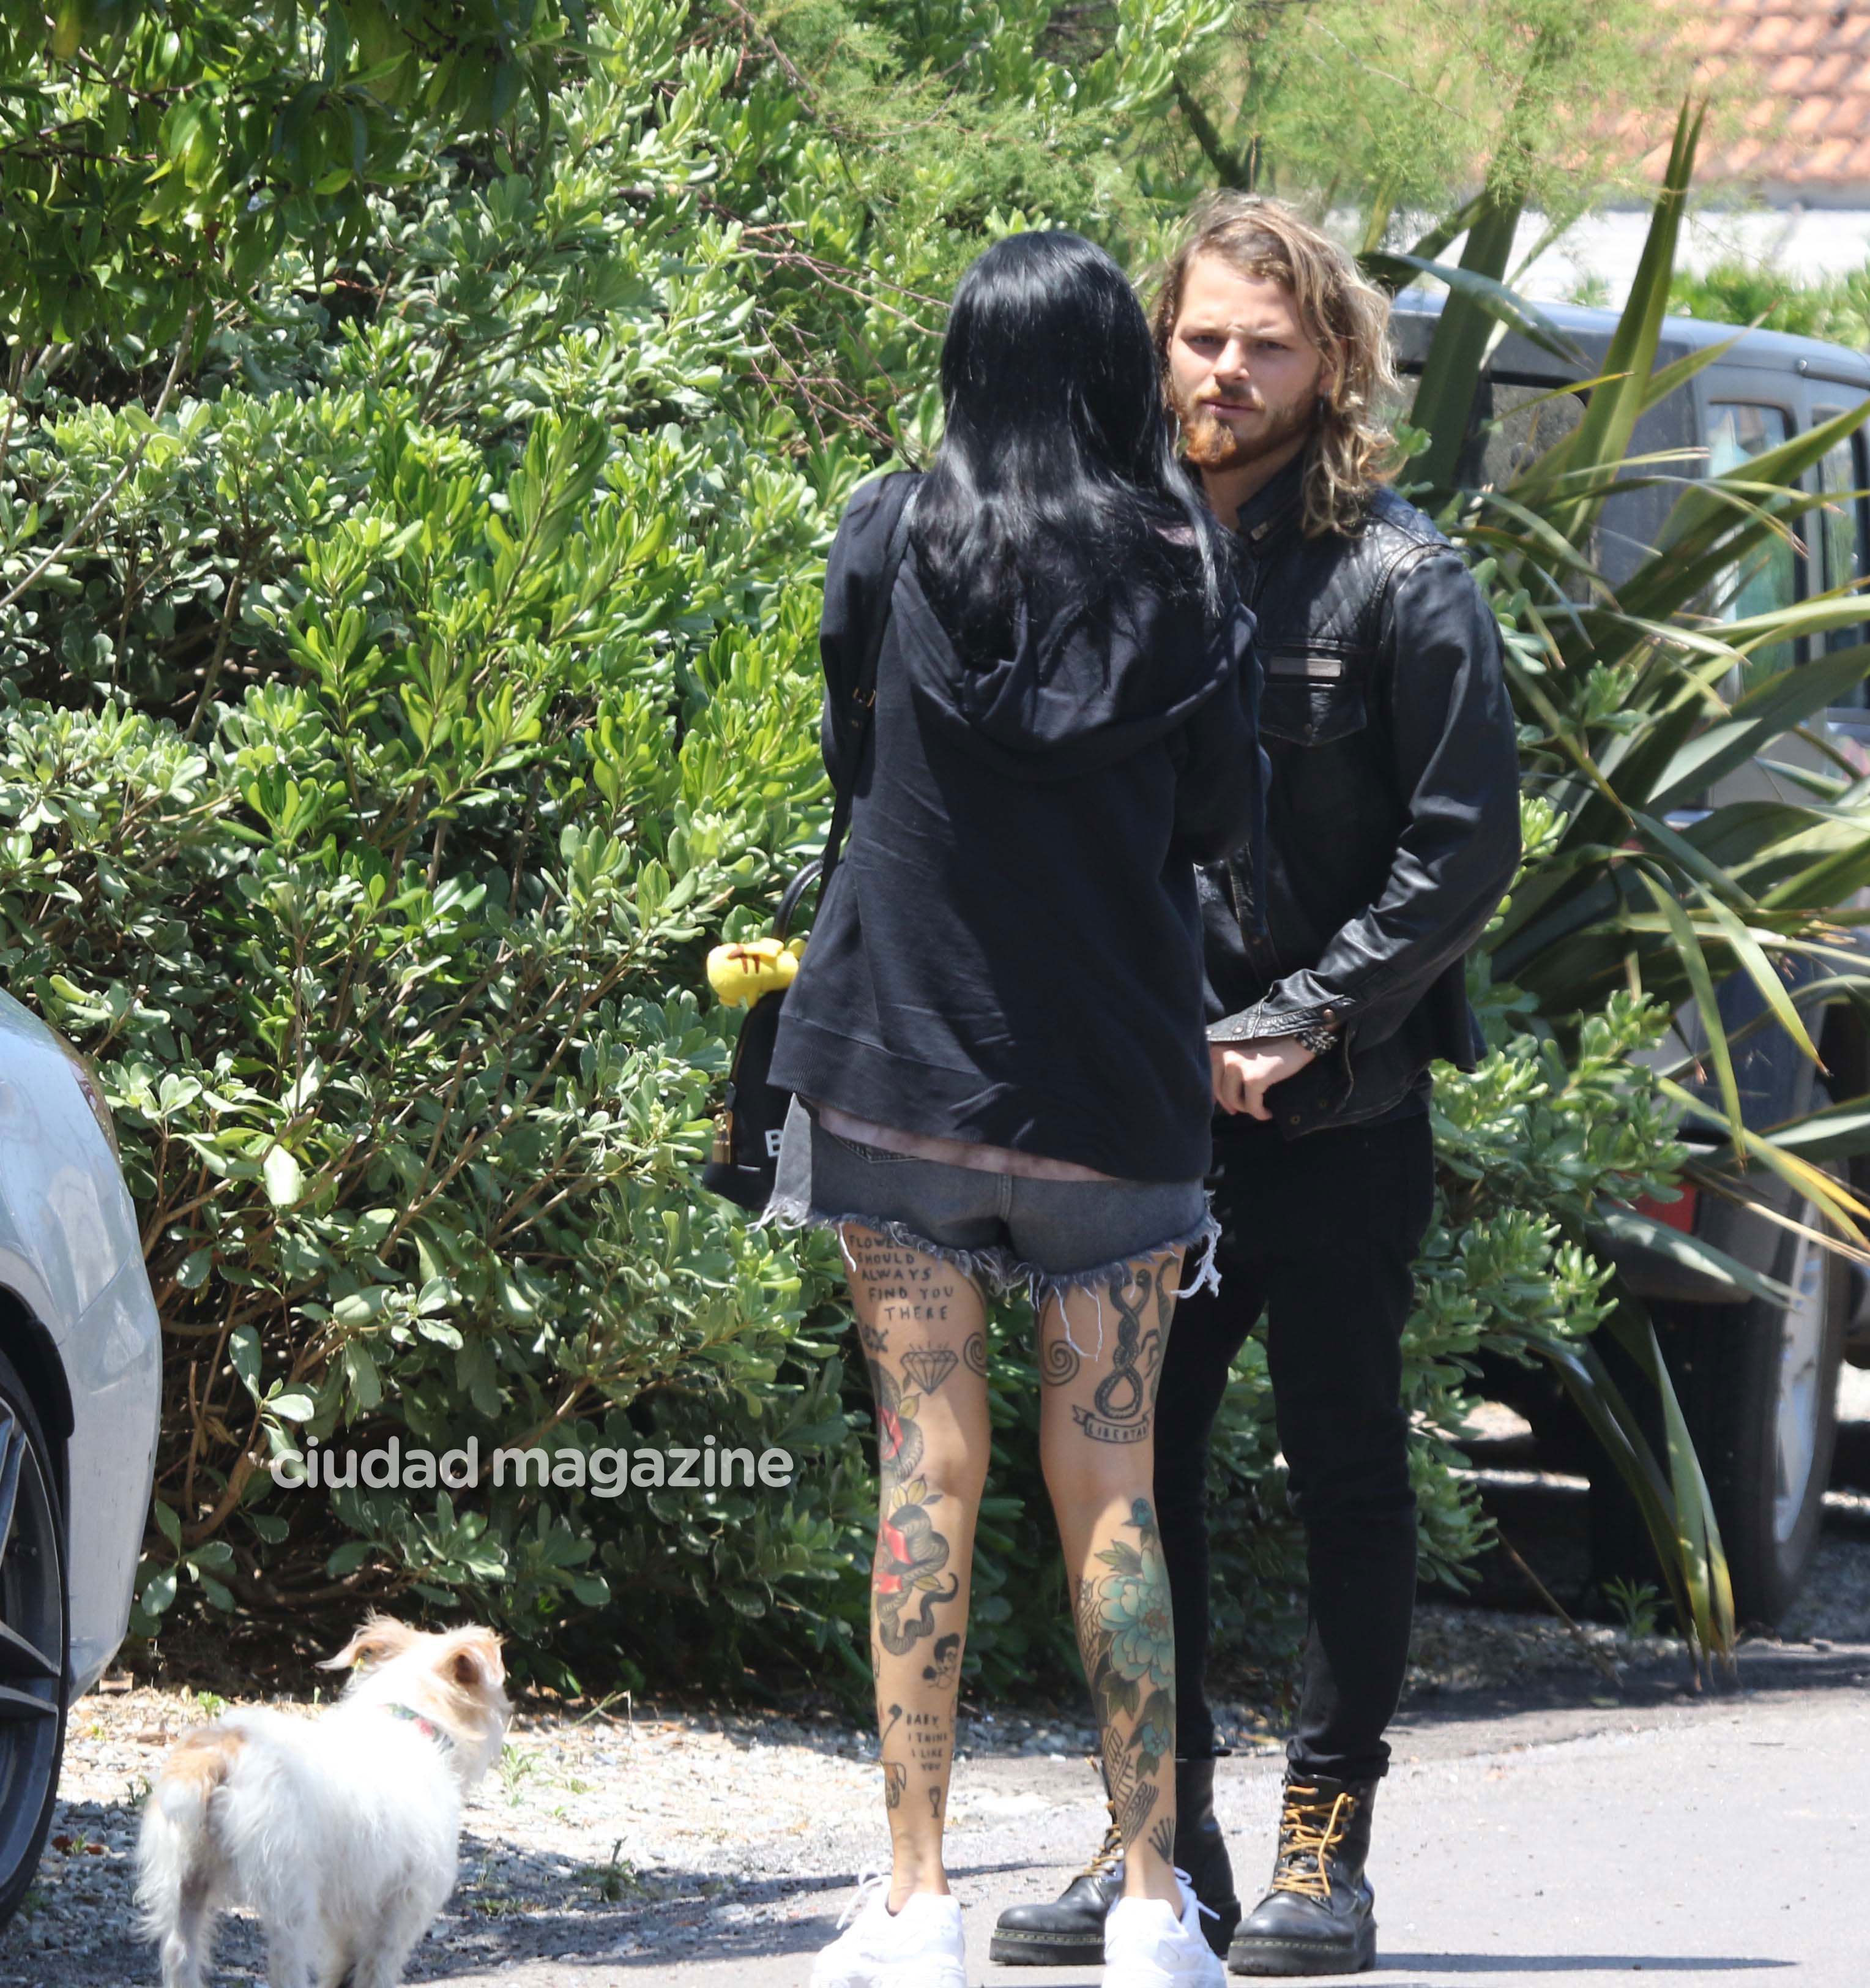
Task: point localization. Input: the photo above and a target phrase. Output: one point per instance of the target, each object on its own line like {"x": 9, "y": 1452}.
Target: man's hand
{"x": 1245, "y": 1072}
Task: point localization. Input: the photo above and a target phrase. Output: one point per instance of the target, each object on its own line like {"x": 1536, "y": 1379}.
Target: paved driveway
{"x": 1703, "y": 1842}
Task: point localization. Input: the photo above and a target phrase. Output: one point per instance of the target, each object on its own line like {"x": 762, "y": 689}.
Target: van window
{"x": 1515, "y": 422}
{"x": 1770, "y": 577}
{"x": 1527, "y": 421}
{"x": 1841, "y": 534}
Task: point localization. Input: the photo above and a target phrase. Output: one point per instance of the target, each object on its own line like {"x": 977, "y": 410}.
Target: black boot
{"x": 1201, "y": 1850}
{"x": 1069, "y": 1931}
{"x": 1318, "y": 1918}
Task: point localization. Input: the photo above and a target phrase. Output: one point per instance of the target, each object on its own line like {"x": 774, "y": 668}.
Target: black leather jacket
{"x": 1393, "y": 812}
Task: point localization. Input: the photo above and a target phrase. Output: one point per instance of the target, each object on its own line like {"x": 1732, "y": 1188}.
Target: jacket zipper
{"x": 1260, "y": 951}
{"x": 1261, "y": 954}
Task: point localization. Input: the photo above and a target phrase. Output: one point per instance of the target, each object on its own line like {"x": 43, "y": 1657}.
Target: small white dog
{"x": 341, "y": 1832}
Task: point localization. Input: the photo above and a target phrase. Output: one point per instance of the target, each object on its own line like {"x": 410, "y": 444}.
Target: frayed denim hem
{"x": 1042, "y": 1286}
{"x": 988, "y": 1271}
{"x": 998, "y": 1270}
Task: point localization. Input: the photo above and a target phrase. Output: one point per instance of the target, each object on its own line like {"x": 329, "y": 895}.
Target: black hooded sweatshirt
{"x": 1009, "y": 949}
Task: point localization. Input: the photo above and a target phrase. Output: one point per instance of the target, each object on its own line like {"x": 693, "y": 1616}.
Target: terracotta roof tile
{"x": 1798, "y": 72}
{"x": 1850, "y": 118}
{"x": 1829, "y": 72}
{"x": 1770, "y": 36}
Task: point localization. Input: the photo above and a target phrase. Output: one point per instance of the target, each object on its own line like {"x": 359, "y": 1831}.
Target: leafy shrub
{"x": 1733, "y": 292}
{"x": 438, "y": 685}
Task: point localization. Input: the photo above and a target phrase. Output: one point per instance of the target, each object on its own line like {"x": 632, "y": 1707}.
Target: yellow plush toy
{"x": 741, "y": 974}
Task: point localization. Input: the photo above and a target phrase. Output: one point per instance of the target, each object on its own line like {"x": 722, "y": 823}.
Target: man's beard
{"x": 1208, "y": 443}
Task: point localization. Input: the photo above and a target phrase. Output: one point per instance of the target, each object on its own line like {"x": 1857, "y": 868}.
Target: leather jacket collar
{"x": 1269, "y": 513}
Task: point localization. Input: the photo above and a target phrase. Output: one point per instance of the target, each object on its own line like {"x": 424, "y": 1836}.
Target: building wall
{"x": 1805, "y": 243}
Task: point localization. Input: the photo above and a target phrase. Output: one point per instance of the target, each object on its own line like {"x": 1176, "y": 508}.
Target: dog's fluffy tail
{"x": 176, "y": 1854}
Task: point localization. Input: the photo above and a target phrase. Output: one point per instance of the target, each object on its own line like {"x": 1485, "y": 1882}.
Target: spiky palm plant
{"x": 1625, "y": 692}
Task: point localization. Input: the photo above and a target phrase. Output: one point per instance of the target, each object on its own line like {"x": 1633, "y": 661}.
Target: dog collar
{"x": 427, "y": 1727}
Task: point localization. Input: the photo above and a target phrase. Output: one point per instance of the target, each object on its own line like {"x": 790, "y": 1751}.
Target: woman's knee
{"x": 940, "y": 1453}
{"x": 1079, "y": 1471}
{"x": 959, "y": 1479}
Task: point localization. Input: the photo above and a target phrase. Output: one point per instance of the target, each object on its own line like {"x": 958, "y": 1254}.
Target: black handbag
{"x": 745, "y": 1156}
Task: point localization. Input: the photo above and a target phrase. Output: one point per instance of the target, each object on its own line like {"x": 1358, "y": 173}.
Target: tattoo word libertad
{"x": 1119, "y": 1410}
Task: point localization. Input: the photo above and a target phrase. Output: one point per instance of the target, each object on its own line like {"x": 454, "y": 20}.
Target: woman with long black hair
{"x": 996, "y": 1036}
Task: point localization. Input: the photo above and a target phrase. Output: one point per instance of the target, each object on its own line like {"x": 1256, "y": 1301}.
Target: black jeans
{"x": 1320, "y": 1234}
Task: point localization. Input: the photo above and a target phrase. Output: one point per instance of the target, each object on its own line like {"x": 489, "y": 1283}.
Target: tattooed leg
{"x": 920, "y": 1322}
{"x": 1096, "y": 1440}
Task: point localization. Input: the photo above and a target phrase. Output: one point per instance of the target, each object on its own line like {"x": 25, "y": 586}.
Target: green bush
{"x": 439, "y": 680}
{"x": 1837, "y": 308}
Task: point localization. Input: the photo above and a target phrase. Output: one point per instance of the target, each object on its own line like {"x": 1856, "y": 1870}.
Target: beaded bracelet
{"x": 1320, "y": 1039}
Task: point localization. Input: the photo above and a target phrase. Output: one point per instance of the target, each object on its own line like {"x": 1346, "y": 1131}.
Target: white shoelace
{"x": 1188, "y": 1885}
{"x": 869, "y": 1883}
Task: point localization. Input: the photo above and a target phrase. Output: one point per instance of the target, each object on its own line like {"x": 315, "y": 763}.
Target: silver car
{"x": 80, "y": 1396}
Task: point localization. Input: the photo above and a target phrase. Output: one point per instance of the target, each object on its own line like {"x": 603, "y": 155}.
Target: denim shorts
{"x": 1002, "y": 1231}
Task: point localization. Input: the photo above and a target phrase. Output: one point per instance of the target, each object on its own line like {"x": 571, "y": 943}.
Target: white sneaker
{"x": 919, "y": 1947}
{"x": 1146, "y": 1946}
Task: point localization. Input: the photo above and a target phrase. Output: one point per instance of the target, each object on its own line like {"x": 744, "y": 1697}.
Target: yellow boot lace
{"x": 1310, "y": 1828}
{"x": 1109, "y": 1854}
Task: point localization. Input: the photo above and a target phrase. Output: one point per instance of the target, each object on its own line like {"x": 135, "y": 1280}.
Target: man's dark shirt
{"x": 1393, "y": 827}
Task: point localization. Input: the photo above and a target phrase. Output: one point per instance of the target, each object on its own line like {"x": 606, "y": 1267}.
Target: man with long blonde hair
{"x": 1393, "y": 832}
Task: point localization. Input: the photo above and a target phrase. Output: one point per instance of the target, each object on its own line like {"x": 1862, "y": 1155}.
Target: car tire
{"x": 35, "y": 1640}
{"x": 1758, "y": 1384}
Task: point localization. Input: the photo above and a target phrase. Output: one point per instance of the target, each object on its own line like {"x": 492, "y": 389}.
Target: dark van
{"x": 1758, "y": 1381}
